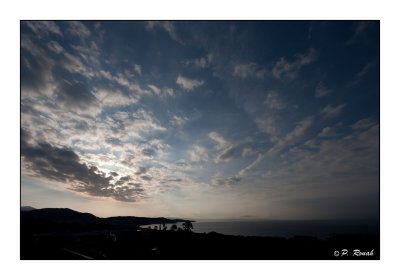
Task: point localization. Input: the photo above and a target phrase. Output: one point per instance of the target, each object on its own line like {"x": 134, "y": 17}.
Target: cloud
{"x": 296, "y": 134}
{"x": 201, "y": 63}
{"x": 289, "y": 70}
{"x": 110, "y": 98}
{"x": 137, "y": 68}
{"x": 268, "y": 125}
{"x": 273, "y": 101}
{"x": 77, "y": 97}
{"x": 55, "y": 47}
{"x": 222, "y": 143}
{"x": 198, "y": 154}
{"x": 73, "y": 64}
{"x": 114, "y": 141}
{"x": 78, "y": 29}
{"x": 36, "y": 69}
{"x": 243, "y": 172}
{"x": 141, "y": 170}
{"x": 331, "y": 111}
{"x": 145, "y": 121}
{"x": 327, "y": 132}
{"x": 162, "y": 93}
{"x": 106, "y": 74}
{"x": 63, "y": 165}
{"x": 179, "y": 121}
{"x": 168, "y": 92}
{"x": 358, "y": 30}
{"x": 247, "y": 151}
{"x": 367, "y": 67}
{"x": 168, "y": 26}
{"x": 249, "y": 70}
{"x": 362, "y": 73}
{"x": 224, "y": 148}
{"x": 227, "y": 154}
{"x": 44, "y": 27}
{"x": 188, "y": 84}
{"x": 218, "y": 181}
{"x": 322, "y": 91}
{"x": 341, "y": 165}
{"x": 89, "y": 52}
{"x": 363, "y": 124}
{"x": 155, "y": 89}
{"x": 125, "y": 80}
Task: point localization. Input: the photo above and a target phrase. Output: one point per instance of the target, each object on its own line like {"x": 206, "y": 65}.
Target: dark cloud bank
{"x": 64, "y": 165}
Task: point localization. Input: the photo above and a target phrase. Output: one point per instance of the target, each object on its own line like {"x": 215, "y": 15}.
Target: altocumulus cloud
{"x": 178, "y": 113}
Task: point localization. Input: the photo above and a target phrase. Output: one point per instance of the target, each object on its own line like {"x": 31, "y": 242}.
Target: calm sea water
{"x": 321, "y": 229}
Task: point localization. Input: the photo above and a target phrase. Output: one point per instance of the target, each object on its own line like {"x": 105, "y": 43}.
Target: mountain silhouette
{"x": 47, "y": 218}
{"x": 27, "y": 208}
{"x": 60, "y": 215}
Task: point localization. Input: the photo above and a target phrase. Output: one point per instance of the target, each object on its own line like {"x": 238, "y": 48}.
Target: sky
{"x": 201, "y": 119}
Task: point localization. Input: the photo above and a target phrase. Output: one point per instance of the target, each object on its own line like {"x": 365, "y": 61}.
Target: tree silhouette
{"x": 187, "y": 226}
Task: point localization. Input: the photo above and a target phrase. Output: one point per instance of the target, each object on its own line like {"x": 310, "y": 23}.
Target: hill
{"x": 48, "y": 219}
{"x": 27, "y": 208}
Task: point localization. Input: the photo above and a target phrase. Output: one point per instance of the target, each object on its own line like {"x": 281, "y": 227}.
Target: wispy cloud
{"x": 198, "y": 154}
{"x": 225, "y": 149}
{"x": 44, "y": 27}
{"x": 322, "y": 91}
{"x": 200, "y": 63}
{"x": 332, "y": 111}
{"x": 125, "y": 80}
{"x": 162, "y": 92}
{"x": 363, "y": 124}
{"x": 362, "y": 73}
{"x": 114, "y": 98}
{"x": 55, "y": 47}
{"x": 168, "y": 26}
{"x": 221, "y": 142}
{"x": 327, "y": 132}
{"x": 358, "y": 30}
{"x": 351, "y": 159}
{"x": 290, "y": 138}
{"x": 179, "y": 120}
{"x": 289, "y": 70}
{"x": 243, "y": 172}
{"x": 268, "y": 125}
{"x": 137, "y": 68}
{"x": 249, "y": 70}
{"x": 188, "y": 84}
{"x": 155, "y": 89}
{"x": 219, "y": 181}
{"x": 247, "y": 151}
{"x": 274, "y": 101}
{"x": 78, "y": 29}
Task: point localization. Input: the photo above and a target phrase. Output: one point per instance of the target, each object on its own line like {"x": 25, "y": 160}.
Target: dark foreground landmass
{"x": 64, "y": 234}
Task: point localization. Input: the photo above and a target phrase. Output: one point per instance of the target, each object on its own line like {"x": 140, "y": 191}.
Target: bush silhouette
{"x": 187, "y": 226}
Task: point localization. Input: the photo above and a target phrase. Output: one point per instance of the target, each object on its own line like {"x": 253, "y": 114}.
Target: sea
{"x": 316, "y": 228}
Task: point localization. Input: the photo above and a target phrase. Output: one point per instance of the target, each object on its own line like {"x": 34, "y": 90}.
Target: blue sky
{"x": 219, "y": 119}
